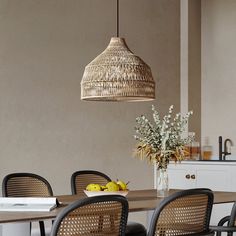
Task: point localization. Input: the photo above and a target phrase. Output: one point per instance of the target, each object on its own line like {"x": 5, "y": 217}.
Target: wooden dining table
{"x": 139, "y": 200}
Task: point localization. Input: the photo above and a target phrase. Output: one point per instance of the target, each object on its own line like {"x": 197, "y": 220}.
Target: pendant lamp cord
{"x": 117, "y": 18}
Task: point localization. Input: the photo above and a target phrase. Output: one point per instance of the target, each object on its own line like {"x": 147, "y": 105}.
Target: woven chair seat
{"x": 135, "y": 229}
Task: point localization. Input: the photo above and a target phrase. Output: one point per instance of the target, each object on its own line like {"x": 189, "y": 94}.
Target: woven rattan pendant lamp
{"x": 117, "y": 74}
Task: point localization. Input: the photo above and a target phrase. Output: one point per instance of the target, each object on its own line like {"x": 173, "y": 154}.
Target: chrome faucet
{"x": 226, "y": 152}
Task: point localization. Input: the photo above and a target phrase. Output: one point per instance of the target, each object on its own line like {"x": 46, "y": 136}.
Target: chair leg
{"x": 30, "y": 228}
{"x": 42, "y": 228}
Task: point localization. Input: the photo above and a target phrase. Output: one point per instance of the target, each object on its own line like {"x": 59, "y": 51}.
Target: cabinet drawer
{"x": 181, "y": 178}
{"x": 216, "y": 180}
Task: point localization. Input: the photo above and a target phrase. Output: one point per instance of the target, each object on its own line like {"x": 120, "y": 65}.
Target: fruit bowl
{"x": 99, "y": 193}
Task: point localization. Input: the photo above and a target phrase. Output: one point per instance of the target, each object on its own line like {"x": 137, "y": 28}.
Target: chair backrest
{"x": 25, "y": 185}
{"x": 186, "y": 212}
{"x": 80, "y": 179}
{"x": 93, "y": 216}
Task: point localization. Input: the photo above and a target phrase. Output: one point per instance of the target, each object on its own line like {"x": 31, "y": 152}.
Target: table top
{"x": 139, "y": 200}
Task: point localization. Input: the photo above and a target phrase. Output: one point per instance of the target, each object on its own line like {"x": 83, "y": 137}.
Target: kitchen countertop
{"x": 207, "y": 162}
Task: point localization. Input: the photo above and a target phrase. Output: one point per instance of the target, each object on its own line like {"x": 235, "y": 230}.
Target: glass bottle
{"x": 206, "y": 150}
{"x": 195, "y": 150}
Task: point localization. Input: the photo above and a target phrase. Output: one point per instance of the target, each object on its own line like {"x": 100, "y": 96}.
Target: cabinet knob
{"x": 193, "y": 177}
{"x": 187, "y": 176}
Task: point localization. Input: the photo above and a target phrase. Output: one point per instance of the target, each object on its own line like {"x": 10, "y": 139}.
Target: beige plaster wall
{"x": 218, "y": 71}
{"x": 194, "y": 66}
{"x": 44, "y": 126}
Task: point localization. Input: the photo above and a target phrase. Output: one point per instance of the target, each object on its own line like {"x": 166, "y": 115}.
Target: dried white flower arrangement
{"x": 162, "y": 140}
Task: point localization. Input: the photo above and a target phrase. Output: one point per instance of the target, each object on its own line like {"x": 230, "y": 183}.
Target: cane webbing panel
{"x": 96, "y": 219}
{"x": 82, "y": 180}
{"x": 183, "y": 216}
{"x": 26, "y": 186}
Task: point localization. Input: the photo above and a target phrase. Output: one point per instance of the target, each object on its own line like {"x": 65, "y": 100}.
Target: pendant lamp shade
{"x": 117, "y": 75}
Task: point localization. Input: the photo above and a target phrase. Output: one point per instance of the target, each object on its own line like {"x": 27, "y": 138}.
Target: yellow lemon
{"x": 122, "y": 185}
{"x": 112, "y": 186}
{"x": 93, "y": 187}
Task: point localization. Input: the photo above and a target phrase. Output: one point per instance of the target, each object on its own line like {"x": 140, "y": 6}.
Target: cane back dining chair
{"x": 93, "y": 216}
{"x": 185, "y": 212}
{"x": 230, "y": 222}
{"x": 26, "y": 185}
{"x": 79, "y": 181}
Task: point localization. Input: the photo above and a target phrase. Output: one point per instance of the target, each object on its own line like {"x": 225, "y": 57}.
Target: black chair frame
{"x": 91, "y": 200}
{"x": 133, "y": 228}
{"x": 230, "y": 228}
{"x": 180, "y": 194}
{"x": 84, "y": 172}
{"x": 22, "y": 174}
{"x": 31, "y": 175}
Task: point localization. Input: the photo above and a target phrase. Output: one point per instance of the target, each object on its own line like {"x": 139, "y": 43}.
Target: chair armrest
{"x": 224, "y": 220}
{"x": 223, "y": 228}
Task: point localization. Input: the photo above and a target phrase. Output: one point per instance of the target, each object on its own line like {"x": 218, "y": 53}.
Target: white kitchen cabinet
{"x": 233, "y": 178}
{"x": 186, "y": 175}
